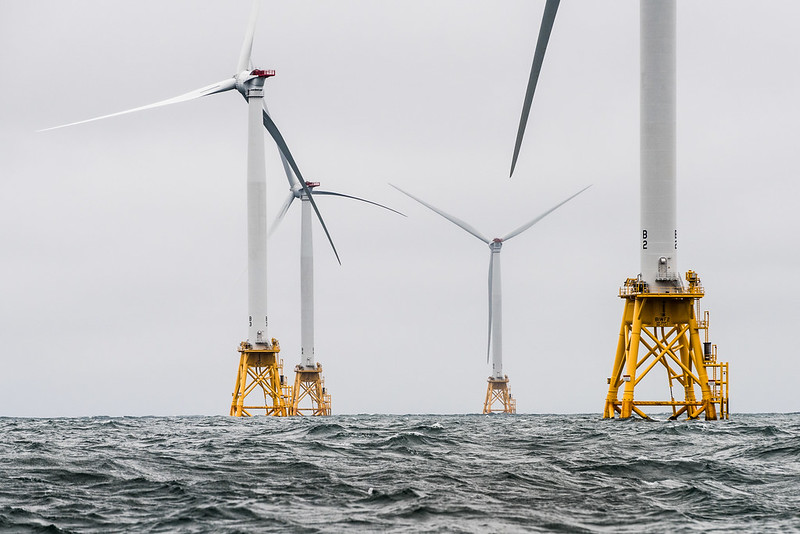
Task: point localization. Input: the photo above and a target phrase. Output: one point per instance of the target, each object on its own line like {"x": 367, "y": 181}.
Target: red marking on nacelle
{"x": 312, "y": 185}
{"x": 263, "y": 73}
{"x": 497, "y": 240}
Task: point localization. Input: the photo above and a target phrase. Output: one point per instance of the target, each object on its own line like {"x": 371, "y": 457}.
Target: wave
{"x": 545, "y": 473}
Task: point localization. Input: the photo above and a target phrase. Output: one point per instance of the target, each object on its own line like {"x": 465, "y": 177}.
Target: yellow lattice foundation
{"x": 261, "y": 374}
{"x": 309, "y": 395}
{"x": 666, "y": 328}
{"x": 497, "y": 393}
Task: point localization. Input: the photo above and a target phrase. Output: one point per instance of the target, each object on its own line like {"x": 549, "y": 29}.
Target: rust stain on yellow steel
{"x": 667, "y": 327}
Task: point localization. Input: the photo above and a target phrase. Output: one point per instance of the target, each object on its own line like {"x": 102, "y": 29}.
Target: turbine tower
{"x": 309, "y": 385}
{"x": 660, "y": 313}
{"x": 497, "y": 390}
{"x": 259, "y": 365}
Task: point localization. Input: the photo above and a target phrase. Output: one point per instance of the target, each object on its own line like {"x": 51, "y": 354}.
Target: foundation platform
{"x": 260, "y": 376}
{"x": 309, "y": 395}
{"x": 498, "y": 397}
{"x": 665, "y": 328}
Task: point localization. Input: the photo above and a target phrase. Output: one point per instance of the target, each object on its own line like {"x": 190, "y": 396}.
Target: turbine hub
{"x": 496, "y": 244}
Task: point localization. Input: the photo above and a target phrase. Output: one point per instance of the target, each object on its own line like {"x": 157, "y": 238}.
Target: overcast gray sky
{"x": 123, "y": 283}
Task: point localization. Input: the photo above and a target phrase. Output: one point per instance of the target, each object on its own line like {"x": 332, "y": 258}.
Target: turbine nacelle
{"x": 496, "y": 244}
{"x": 245, "y": 79}
{"x": 296, "y": 190}
{"x": 299, "y": 193}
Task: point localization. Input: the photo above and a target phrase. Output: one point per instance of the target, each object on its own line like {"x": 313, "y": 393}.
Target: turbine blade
{"x": 286, "y": 169}
{"x": 276, "y": 135}
{"x": 281, "y": 214}
{"x": 543, "y": 215}
{"x": 219, "y": 87}
{"x": 454, "y": 220}
{"x": 491, "y": 269}
{"x": 331, "y": 193}
{"x": 247, "y": 44}
{"x": 538, "y": 58}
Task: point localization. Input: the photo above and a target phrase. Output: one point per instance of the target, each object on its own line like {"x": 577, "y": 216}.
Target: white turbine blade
{"x": 549, "y": 16}
{"x": 542, "y": 216}
{"x": 454, "y": 220}
{"x": 286, "y": 167}
{"x": 331, "y": 193}
{"x": 247, "y": 44}
{"x": 281, "y": 214}
{"x": 272, "y": 128}
{"x": 219, "y": 87}
{"x": 491, "y": 268}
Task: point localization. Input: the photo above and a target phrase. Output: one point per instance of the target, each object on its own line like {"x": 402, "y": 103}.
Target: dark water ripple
{"x": 370, "y": 473}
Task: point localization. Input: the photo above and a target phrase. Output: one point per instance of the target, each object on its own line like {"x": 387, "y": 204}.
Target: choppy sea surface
{"x": 414, "y": 473}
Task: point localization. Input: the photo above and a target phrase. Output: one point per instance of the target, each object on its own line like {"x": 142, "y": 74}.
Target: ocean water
{"x": 414, "y": 473}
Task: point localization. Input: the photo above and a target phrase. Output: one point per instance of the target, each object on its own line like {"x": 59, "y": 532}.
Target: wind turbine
{"x": 259, "y": 352}
{"x": 308, "y": 382}
{"x": 498, "y": 382}
{"x": 659, "y": 310}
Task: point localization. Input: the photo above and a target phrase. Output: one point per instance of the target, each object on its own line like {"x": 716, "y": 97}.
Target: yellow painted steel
{"x": 497, "y": 392}
{"x": 309, "y": 386}
{"x": 260, "y": 370}
{"x": 665, "y": 327}
{"x": 717, "y": 374}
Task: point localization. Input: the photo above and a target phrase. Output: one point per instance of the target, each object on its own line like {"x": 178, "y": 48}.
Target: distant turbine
{"x": 548, "y": 18}
{"x": 495, "y": 338}
{"x": 250, "y": 83}
{"x": 307, "y": 256}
